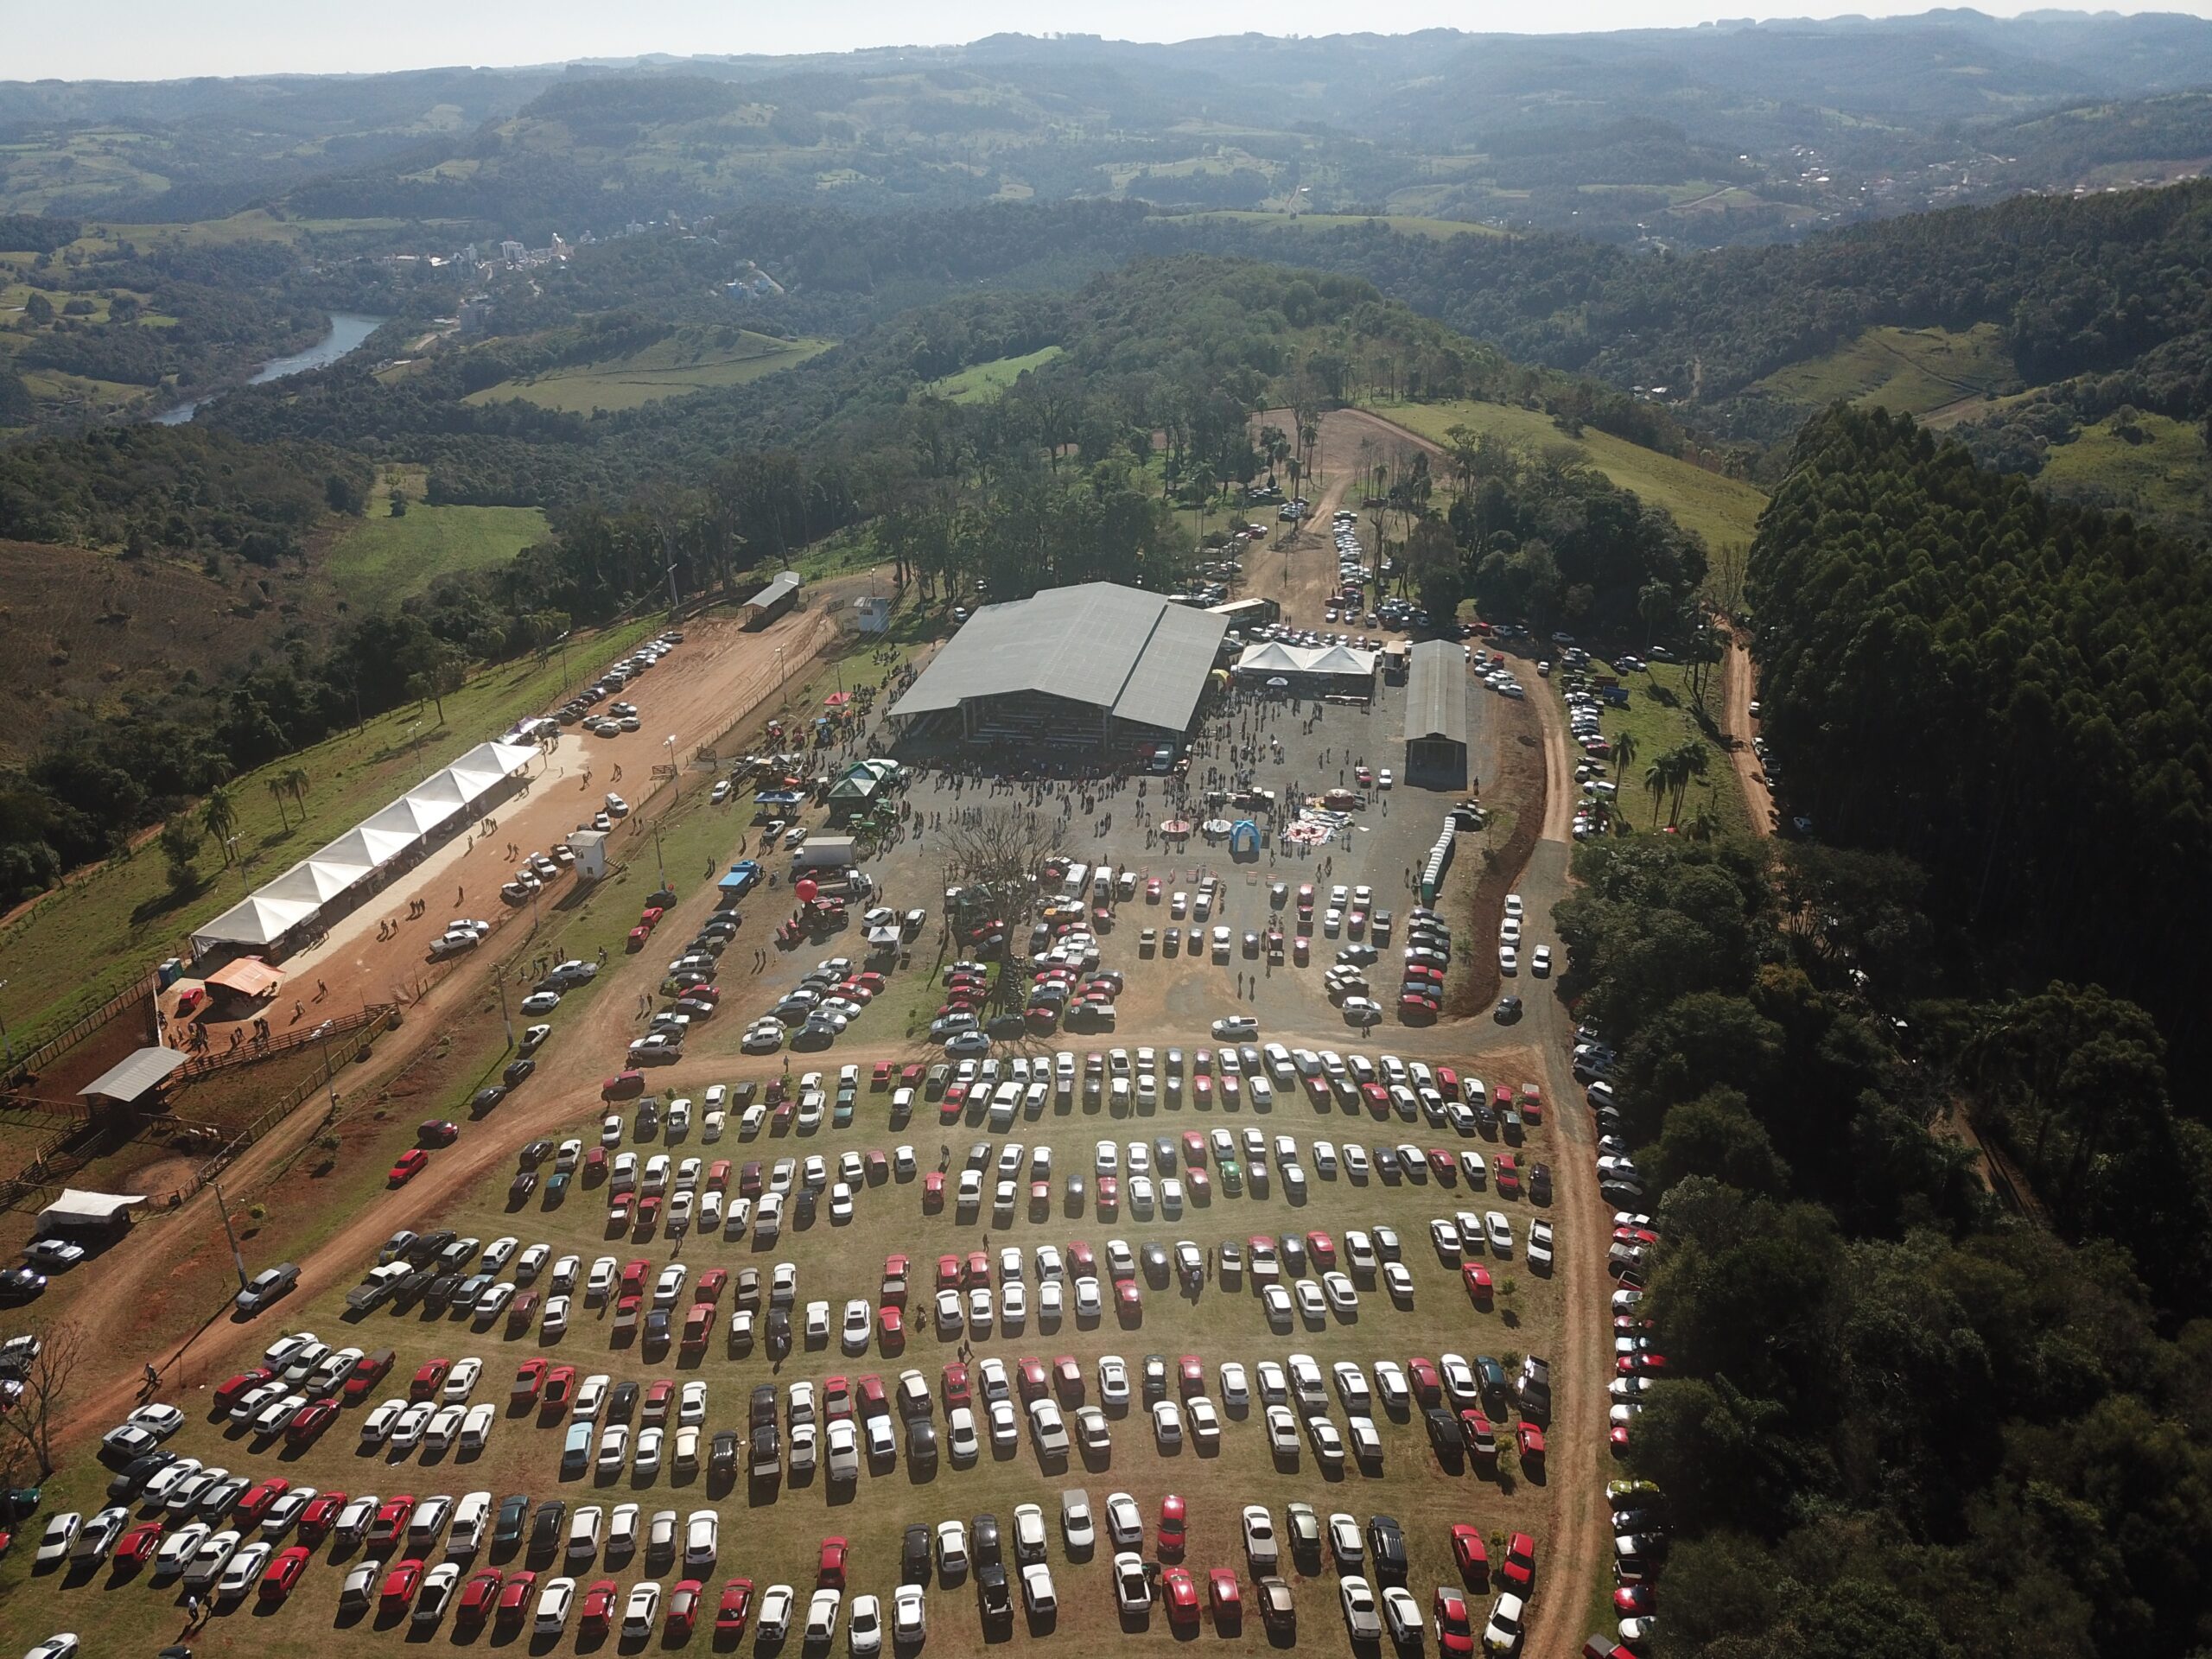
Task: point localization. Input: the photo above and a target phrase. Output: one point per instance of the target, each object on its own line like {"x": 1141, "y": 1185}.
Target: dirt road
{"x": 729, "y": 681}
{"x": 1737, "y": 682}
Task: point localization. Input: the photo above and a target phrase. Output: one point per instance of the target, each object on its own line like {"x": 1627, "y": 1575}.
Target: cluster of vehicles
{"x": 619, "y": 716}
{"x": 535, "y": 872}
{"x": 1509, "y": 943}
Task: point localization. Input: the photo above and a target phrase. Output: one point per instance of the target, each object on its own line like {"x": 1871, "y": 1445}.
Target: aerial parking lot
{"x": 1174, "y": 1273}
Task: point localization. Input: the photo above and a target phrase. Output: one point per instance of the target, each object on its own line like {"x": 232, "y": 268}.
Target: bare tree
{"x": 28, "y": 1427}
{"x": 1000, "y": 852}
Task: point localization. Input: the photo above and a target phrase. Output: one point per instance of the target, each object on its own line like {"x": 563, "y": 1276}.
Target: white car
{"x": 864, "y": 1628}
{"x": 910, "y": 1621}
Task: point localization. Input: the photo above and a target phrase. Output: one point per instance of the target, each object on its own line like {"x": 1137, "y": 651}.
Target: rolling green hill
{"x": 688, "y": 361}
{"x": 981, "y": 382}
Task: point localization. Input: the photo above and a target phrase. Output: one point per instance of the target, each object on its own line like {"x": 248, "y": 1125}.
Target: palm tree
{"x": 277, "y": 793}
{"x": 296, "y": 780}
{"x": 218, "y": 815}
{"x": 1691, "y": 761}
{"x": 1624, "y": 752}
{"x": 1657, "y": 778}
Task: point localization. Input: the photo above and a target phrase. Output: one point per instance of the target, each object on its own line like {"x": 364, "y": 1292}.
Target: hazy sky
{"x": 135, "y": 39}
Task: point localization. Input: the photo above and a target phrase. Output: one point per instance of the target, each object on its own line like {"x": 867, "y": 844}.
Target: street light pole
{"x": 7, "y": 1042}
{"x": 674, "y": 768}
{"x": 500, "y": 979}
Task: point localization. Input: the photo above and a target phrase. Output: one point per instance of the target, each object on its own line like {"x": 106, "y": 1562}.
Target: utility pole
{"x": 500, "y": 979}
{"x": 237, "y": 1256}
{"x": 7, "y": 1042}
{"x": 674, "y": 768}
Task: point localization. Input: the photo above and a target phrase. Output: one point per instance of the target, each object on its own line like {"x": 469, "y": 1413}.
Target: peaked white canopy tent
{"x": 299, "y": 896}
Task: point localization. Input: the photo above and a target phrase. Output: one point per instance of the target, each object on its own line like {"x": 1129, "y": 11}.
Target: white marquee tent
{"x": 298, "y": 895}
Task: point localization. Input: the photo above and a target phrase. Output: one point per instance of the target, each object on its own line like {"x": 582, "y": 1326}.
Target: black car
{"x": 546, "y": 1527}
{"x": 990, "y": 1593}
{"x": 983, "y": 1540}
{"x": 914, "y": 1556}
{"x": 1155, "y": 1378}
{"x": 535, "y": 1154}
{"x": 622, "y": 1401}
{"x": 522, "y": 1187}
{"x": 507, "y": 1525}
{"x": 136, "y": 1473}
{"x": 1386, "y": 1548}
{"x": 1540, "y": 1183}
{"x": 921, "y": 1443}
{"x": 1155, "y": 1265}
{"x": 486, "y": 1098}
{"x": 803, "y": 1207}
{"x": 722, "y": 1456}
{"x": 1509, "y": 1010}
{"x": 657, "y": 1328}
{"x": 1443, "y": 1435}
{"x": 780, "y": 1330}
{"x": 20, "y": 1285}
{"x": 763, "y": 1408}
{"x": 437, "y": 1289}
{"x": 516, "y": 1071}
{"x": 414, "y": 1284}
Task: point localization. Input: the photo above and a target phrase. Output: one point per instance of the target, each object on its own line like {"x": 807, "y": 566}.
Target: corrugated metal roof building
{"x": 1087, "y": 666}
{"x": 772, "y": 601}
{"x": 1436, "y": 713}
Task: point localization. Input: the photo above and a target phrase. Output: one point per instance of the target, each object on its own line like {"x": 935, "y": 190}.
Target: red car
{"x": 1129, "y": 1299}
{"x": 709, "y": 1287}
{"x": 1081, "y": 1262}
{"x": 241, "y": 1385}
{"x": 560, "y": 1383}
{"x": 1519, "y": 1568}
{"x": 1476, "y": 1277}
{"x": 955, "y": 1385}
{"x": 736, "y": 1606}
{"x": 400, "y": 1584}
{"x": 659, "y": 1397}
{"x": 599, "y": 1607}
{"x": 321, "y": 1512}
{"x": 428, "y": 1379}
{"x": 1194, "y": 1148}
{"x": 281, "y": 1575}
{"x": 1174, "y": 1525}
{"x": 479, "y": 1596}
{"x": 1530, "y": 1440}
{"x": 137, "y": 1546}
{"x": 623, "y": 1085}
{"x": 683, "y": 1607}
{"x": 1221, "y": 1591}
{"x": 880, "y": 1077}
{"x": 1617, "y": 1437}
{"x": 254, "y": 1503}
{"x": 306, "y": 1429}
{"x": 933, "y": 1193}
{"x": 1455, "y": 1632}
{"x": 1475, "y": 1429}
{"x": 514, "y": 1595}
{"x": 530, "y": 1378}
{"x": 891, "y": 1325}
{"x": 1322, "y": 1249}
{"x": 1469, "y": 1551}
{"x": 1029, "y": 1379}
{"x": 1067, "y": 1380}
{"x": 411, "y": 1163}
{"x": 830, "y": 1571}
{"x": 948, "y": 1273}
{"x": 1191, "y": 1376}
{"x": 1636, "y": 1601}
{"x": 979, "y": 1270}
{"x": 1429, "y": 1384}
{"x": 1181, "y": 1595}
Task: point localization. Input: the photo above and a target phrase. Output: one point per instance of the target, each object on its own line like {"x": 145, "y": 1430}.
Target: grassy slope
{"x": 76, "y": 947}
{"x": 2164, "y": 472}
{"x": 1910, "y": 369}
{"x": 669, "y": 368}
{"x": 1725, "y": 511}
{"x": 383, "y": 558}
{"x": 981, "y": 382}
{"x": 1409, "y": 224}
{"x": 1658, "y": 726}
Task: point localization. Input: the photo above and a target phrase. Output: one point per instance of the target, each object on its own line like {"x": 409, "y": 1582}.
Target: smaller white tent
{"x": 77, "y": 1210}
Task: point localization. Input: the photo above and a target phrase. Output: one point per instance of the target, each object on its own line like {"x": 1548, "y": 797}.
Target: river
{"x": 347, "y": 331}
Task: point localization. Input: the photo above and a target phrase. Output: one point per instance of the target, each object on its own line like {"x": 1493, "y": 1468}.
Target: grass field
{"x": 981, "y": 382}
{"x": 1725, "y": 511}
{"x": 385, "y": 559}
{"x": 111, "y": 924}
{"x": 1408, "y": 223}
{"x": 1658, "y": 717}
{"x": 689, "y": 360}
{"x": 2163, "y": 472}
{"x": 1913, "y": 370}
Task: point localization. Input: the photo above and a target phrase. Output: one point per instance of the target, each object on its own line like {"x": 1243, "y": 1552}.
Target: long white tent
{"x": 299, "y": 894}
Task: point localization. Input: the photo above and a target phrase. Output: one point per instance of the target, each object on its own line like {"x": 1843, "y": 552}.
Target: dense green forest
{"x": 1897, "y": 1422}
{"x": 2011, "y": 691}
